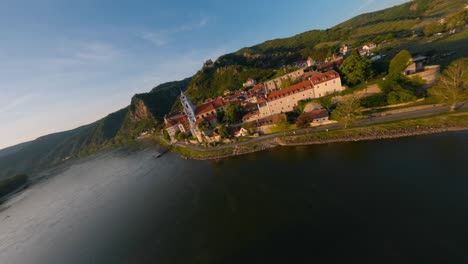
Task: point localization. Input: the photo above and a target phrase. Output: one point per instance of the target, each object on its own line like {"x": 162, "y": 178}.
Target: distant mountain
{"x": 117, "y": 128}
{"x": 393, "y": 28}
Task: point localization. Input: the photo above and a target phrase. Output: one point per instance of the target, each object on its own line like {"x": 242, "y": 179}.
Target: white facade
{"x": 286, "y": 100}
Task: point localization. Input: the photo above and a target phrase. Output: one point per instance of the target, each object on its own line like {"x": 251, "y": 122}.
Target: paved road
{"x": 366, "y": 121}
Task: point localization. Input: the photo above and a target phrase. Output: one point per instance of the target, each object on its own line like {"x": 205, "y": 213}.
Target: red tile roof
{"x": 249, "y": 115}
{"x": 312, "y": 115}
{"x": 218, "y": 102}
{"x": 270, "y": 120}
{"x": 305, "y": 85}
{"x": 261, "y": 100}
{"x": 174, "y": 119}
{"x": 259, "y": 86}
{"x": 331, "y": 64}
{"x": 324, "y": 77}
{"x": 309, "y": 74}
{"x": 204, "y": 108}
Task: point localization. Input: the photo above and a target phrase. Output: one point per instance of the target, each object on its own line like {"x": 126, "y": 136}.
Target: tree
{"x": 223, "y": 131}
{"x": 250, "y": 126}
{"x": 326, "y": 101}
{"x": 203, "y": 126}
{"x": 356, "y": 69}
{"x": 400, "y": 95}
{"x": 234, "y": 113}
{"x": 180, "y": 136}
{"x": 433, "y": 28}
{"x": 303, "y": 122}
{"x": 166, "y": 135}
{"x": 280, "y": 125}
{"x": 347, "y": 111}
{"x": 452, "y": 86}
{"x": 301, "y": 104}
{"x": 399, "y": 63}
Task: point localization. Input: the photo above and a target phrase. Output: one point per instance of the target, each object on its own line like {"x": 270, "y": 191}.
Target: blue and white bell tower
{"x": 189, "y": 110}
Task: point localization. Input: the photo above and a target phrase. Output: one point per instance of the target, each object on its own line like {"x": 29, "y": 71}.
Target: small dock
{"x": 159, "y": 154}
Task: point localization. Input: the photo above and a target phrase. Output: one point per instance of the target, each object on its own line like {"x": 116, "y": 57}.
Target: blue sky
{"x": 68, "y": 63}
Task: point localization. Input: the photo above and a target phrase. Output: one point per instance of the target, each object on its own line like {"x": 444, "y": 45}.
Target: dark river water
{"x": 392, "y": 201}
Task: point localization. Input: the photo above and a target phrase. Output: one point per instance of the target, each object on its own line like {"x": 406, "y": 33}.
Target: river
{"x": 392, "y": 201}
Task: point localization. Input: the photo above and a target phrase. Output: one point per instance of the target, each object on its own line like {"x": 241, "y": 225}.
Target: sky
{"x": 67, "y": 63}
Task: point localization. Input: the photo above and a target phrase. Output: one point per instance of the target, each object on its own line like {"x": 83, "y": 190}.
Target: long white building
{"x": 285, "y": 100}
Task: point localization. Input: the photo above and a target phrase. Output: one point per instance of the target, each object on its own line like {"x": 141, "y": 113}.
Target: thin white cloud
{"x": 193, "y": 26}
{"x": 163, "y": 37}
{"x": 96, "y": 52}
{"x": 157, "y": 38}
{"x": 366, "y": 4}
{"x": 15, "y": 102}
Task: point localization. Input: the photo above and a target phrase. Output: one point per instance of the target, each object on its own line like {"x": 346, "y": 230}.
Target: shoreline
{"x": 449, "y": 122}
{"x": 270, "y": 144}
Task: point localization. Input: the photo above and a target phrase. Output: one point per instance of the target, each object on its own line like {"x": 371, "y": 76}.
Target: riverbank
{"x": 12, "y": 185}
{"x": 446, "y": 122}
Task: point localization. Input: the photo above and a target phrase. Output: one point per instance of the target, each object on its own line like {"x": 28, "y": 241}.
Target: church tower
{"x": 189, "y": 110}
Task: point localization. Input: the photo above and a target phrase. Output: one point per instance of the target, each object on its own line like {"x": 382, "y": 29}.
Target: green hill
{"x": 393, "y": 28}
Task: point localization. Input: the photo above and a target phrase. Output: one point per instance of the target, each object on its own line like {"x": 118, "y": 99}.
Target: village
{"x": 257, "y": 109}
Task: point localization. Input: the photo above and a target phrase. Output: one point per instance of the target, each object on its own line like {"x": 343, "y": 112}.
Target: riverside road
{"x": 366, "y": 121}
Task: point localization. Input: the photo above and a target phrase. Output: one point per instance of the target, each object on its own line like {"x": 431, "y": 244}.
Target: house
{"x": 330, "y": 65}
{"x": 309, "y": 74}
{"x": 248, "y": 106}
{"x": 310, "y": 62}
{"x": 369, "y": 46}
{"x": 210, "y": 107}
{"x": 345, "y": 50}
{"x": 212, "y": 137}
{"x": 250, "y": 117}
{"x": 242, "y": 132}
{"x": 265, "y": 125}
{"x": 363, "y": 52}
{"x": 285, "y": 100}
{"x": 316, "y": 117}
{"x": 249, "y": 83}
{"x": 418, "y": 67}
{"x": 326, "y": 83}
{"x": 175, "y": 122}
{"x": 275, "y": 84}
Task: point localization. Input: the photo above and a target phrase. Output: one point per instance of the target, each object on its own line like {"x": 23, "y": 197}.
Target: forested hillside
{"x": 394, "y": 28}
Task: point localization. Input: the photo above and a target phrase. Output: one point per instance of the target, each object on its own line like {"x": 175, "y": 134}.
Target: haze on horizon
{"x": 64, "y": 64}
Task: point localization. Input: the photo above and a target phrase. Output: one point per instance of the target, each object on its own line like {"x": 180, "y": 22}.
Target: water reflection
{"x": 395, "y": 201}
